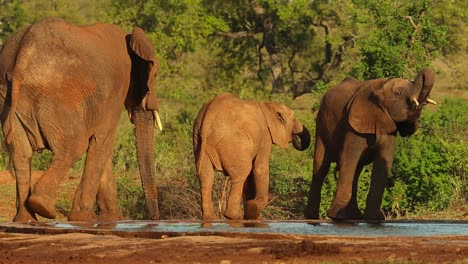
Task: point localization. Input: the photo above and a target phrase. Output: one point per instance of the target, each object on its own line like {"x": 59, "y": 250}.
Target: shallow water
{"x": 387, "y": 228}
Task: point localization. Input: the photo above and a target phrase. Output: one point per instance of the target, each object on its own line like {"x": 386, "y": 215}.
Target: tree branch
{"x": 236, "y": 35}
{"x": 412, "y": 22}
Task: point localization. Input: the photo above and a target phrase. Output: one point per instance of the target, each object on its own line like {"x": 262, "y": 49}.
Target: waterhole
{"x": 353, "y": 228}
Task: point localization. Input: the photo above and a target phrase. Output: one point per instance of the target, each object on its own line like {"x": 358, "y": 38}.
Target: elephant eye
{"x": 281, "y": 118}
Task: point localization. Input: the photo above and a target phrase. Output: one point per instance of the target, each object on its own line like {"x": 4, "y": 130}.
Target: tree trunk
{"x": 270, "y": 45}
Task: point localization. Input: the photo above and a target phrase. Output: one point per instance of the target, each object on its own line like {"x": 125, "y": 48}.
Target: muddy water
{"x": 387, "y": 228}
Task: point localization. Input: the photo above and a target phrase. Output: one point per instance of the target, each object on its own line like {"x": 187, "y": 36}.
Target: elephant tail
{"x": 9, "y": 128}
{"x": 199, "y": 145}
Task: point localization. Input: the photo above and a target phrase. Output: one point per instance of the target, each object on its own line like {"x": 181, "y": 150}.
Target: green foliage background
{"x": 199, "y": 58}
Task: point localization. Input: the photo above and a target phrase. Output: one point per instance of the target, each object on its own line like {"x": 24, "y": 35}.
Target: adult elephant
{"x": 62, "y": 87}
{"x": 236, "y": 136}
{"x": 356, "y": 125}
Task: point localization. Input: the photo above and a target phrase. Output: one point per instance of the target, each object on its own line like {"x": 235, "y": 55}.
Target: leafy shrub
{"x": 429, "y": 168}
{"x": 288, "y": 186}
{"x": 401, "y": 36}
{"x": 65, "y": 200}
{"x": 131, "y": 198}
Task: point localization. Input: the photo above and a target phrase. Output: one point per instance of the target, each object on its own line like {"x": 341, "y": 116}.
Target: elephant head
{"x": 383, "y": 106}
{"x": 141, "y": 104}
{"x": 284, "y": 127}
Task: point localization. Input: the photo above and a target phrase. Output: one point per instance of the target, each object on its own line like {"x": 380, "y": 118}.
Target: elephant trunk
{"x": 301, "y": 137}
{"x": 144, "y": 131}
{"x": 423, "y": 85}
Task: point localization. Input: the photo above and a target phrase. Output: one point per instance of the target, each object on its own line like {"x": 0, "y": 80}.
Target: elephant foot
{"x": 209, "y": 217}
{"x": 251, "y": 210}
{"x": 206, "y": 225}
{"x": 311, "y": 213}
{"x": 43, "y": 206}
{"x": 109, "y": 216}
{"x": 374, "y": 215}
{"x": 233, "y": 214}
{"x": 353, "y": 212}
{"x": 81, "y": 216}
{"x": 24, "y": 217}
{"x": 337, "y": 212}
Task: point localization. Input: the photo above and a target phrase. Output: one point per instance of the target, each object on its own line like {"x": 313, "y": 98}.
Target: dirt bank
{"x": 95, "y": 248}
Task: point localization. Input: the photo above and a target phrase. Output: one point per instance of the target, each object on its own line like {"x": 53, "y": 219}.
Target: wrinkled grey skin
{"x": 63, "y": 87}
{"x": 356, "y": 125}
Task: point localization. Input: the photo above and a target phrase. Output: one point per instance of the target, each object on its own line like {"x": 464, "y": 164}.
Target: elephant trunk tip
{"x": 423, "y": 84}
{"x": 301, "y": 140}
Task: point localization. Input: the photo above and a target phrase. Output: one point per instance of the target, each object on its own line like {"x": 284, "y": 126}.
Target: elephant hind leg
{"x": 206, "y": 175}
{"x": 238, "y": 177}
{"x": 258, "y": 185}
{"x": 21, "y": 157}
{"x": 251, "y": 208}
{"x": 320, "y": 170}
{"x": 43, "y": 198}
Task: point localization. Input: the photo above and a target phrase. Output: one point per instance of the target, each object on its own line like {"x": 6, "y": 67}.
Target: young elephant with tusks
{"x": 236, "y": 136}
{"x": 356, "y": 125}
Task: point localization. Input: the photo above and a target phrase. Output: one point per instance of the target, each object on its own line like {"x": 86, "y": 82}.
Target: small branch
{"x": 236, "y": 35}
{"x": 412, "y": 22}
{"x": 259, "y": 10}
{"x": 260, "y": 64}
{"x": 413, "y": 36}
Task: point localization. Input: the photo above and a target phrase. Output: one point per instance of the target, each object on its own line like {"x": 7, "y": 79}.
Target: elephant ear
{"x": 366, "y": 112}
{"x": 276, "y": 122}
{"x": 146, "y": 69}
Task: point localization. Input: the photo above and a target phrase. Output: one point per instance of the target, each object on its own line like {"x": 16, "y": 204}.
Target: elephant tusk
{"x": 415, "y": 101}
{"x": 143, "y": 102}
{"x": 430, "y": 101}
{"x": 158, "y": 120}
{"x": 130, "y": 116}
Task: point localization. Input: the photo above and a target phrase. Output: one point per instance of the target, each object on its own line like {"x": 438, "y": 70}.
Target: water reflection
{"x": 349, "y": 228}
{"x": 234, "y": 224}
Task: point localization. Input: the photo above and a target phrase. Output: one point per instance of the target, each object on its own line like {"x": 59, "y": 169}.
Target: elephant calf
{"x": 236, "y": 136}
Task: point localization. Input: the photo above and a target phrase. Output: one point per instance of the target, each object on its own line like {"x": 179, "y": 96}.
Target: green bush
{"x": 288, "y": 186}
{"x": 429, "y": 168}
{"x": 131, "y": 198}
{"x": 401, "y": 37}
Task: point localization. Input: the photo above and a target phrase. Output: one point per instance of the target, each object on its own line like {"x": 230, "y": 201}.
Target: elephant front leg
{"x": 353, "y": 211}
{"x": 380, "y": 172}
{"x": 348, "y": 163}
{"x": 107, "y": 196}
{"x": 320, "y": 170}
{"x": 98, "y": 157}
